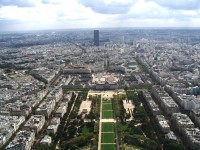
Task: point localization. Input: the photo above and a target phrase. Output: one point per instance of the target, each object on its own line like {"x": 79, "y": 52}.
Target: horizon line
{"x": 95, "y": 28}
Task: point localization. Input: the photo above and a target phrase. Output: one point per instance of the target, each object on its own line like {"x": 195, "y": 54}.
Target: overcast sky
{"x": 68, "y": 14}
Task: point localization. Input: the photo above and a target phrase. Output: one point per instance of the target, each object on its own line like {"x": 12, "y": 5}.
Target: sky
{"x": 17, "y": 15}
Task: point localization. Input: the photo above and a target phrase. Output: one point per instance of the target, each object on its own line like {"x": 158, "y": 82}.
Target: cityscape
{"x": 101, "y": 89}
{"x": 92, "y": 86}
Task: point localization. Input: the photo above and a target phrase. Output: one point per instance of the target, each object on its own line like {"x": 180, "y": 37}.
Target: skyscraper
{"x": 96, "y": 37}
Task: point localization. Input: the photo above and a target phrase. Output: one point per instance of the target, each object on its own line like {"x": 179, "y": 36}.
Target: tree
{"x": 71, "y": 130}
{"x": 126, "y": 88}
{"x": 41, "y": 147}
{"x": 76, "y": 142}
{"x": 90, "y": 97}
{"x": 169, "y": 145}
{"x": 91, "y": 116}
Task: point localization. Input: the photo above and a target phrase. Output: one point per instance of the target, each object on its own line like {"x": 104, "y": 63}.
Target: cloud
{"x": 60, "y": 14}
{"x": 50, "y": 1}
{"x": 144, "y": 9}
{"x": 66, "y": 14}
{"x": 18, "y": 3}
{"x": 108, "y": 6}
{"x": 178, "y": 4}
{"x": 147, "y": 10}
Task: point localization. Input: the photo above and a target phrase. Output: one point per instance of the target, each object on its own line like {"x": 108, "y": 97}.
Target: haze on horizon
{"x": 16, "y": 15}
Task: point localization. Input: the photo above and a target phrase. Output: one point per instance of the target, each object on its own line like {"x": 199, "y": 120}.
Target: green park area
{"x": 108, "y": 146}
{"x": 107, "y": 114}
{"x": 106, "y": 101}
{"x": 107, "y": 106}
{"x": 107, "y": 127}
{"x": 108, "y": 137}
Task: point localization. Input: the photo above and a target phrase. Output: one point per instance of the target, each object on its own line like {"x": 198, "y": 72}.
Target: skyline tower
{"x": 96, "y": 37}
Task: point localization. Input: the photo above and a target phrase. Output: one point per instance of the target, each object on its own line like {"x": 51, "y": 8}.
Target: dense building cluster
{"x": 40, "y": 74}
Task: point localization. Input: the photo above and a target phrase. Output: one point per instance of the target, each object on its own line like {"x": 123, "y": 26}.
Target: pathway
{"x": 108, "y": 120}
{"x": 100, "y": 127}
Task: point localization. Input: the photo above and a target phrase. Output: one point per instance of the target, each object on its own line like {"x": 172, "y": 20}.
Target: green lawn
{"x": 85, "y": 130}
{"x": 108, "y": 146}
{"x": 107, "y": 137}
{"x": 107, "y": 127}
{"x": 107, "y": 106}
{"x": 106, "y": 101}
{"x": 107, "y": 114}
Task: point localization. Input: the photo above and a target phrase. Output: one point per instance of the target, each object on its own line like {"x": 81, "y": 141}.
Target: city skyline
{"x": 72, "y": 14}
{"x": 102, "y": 89}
